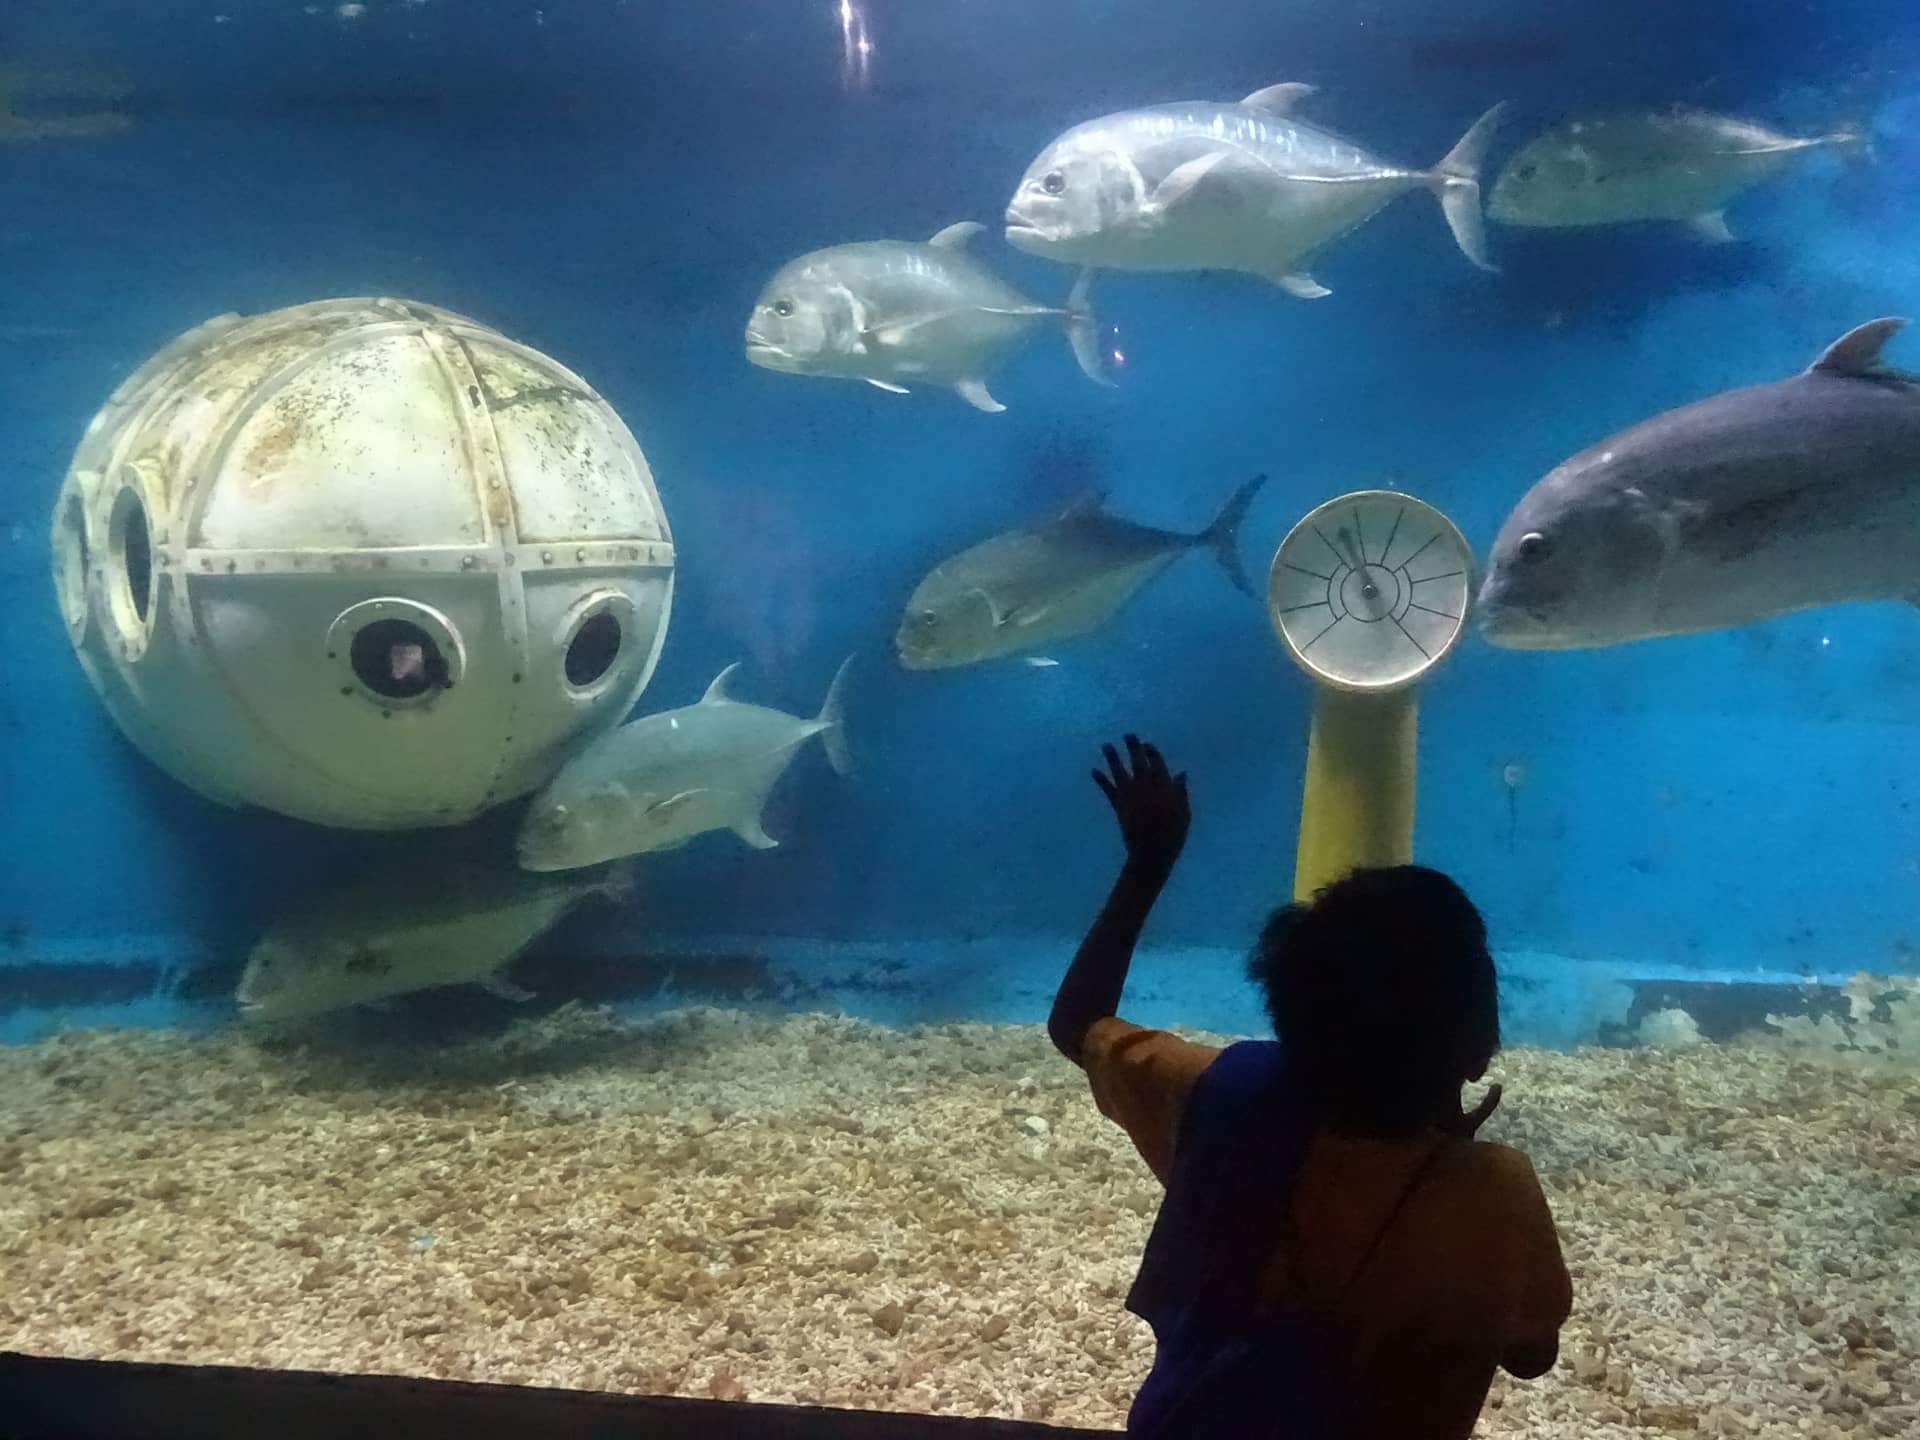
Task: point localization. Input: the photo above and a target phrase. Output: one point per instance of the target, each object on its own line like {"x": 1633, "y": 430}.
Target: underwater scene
{"x": 566, "y": 565}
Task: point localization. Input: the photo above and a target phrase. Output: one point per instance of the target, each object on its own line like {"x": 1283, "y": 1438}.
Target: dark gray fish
{"x": 1684, "y": 165}
{"x": 1021, "y": 591}
{"x": 1753, "y": 503}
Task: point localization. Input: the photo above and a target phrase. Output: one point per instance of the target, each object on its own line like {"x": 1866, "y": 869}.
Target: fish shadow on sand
{"x": 462, "y": 1038}
{"x": 467, "y": 1044}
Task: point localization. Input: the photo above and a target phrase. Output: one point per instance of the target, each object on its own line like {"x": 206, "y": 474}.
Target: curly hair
{"x": 1383, "y": 992}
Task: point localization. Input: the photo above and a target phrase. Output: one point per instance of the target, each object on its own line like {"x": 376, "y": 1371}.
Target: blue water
{"x": 612, "y": 182}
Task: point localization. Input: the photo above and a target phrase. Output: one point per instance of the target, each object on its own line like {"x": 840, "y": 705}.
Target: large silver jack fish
{"x": 1752, "y": 503}
{"x": 1247, "y": 186}
{"x": 656, "y": 782}
{"x": 897, "y": 314}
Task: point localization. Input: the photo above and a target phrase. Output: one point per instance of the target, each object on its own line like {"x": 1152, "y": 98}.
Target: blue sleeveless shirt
{"x": 1217, "y": 1373}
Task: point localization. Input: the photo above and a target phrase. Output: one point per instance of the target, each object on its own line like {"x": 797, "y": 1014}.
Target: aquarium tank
{"x": 565, "y": 564}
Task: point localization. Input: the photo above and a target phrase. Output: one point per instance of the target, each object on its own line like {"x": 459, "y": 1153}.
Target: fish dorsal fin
{"x": 1087, "y": 503}
{"x": 1278, "y": 99}
{"x": 717, "y": 692}
{"x": 1858, "y": 351}
{"x": 956, "y": 236}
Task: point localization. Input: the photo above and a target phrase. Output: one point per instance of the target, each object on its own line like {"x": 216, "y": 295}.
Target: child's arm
{"x": 1151, "y": 806}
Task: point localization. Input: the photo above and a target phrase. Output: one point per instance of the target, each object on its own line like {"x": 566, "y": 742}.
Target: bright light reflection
{"x": 856, "y": 47}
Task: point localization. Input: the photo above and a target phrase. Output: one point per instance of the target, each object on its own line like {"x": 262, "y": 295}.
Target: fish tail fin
{"x": 1083, "y": 330}
{"x": 1223, "y": 535}
{"x": 1456, "y": 180}
{"x": 833, "y": 716}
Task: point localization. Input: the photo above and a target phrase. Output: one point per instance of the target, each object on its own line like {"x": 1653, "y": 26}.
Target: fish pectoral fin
{"x": 856, "y": 307}
{"x": 956, "y": 236}
{"x": 1041, "y": 662}
{"x": 1181, "y": 182}
{"x": 1021, "y": 616}
{"x": 499, "y": 986}
{"x": 672, "y": 803}
{"x": 1279, "y": 99}
{"x": 1018, "y": 613}
{"x": 888, "y": 386}
{"x": 994, "y": 611}
{"x": 754, "y": 833}
{"x": 895, "y": 333}
{"x": 1712, "y": 227}
{"x": 975, "y": 393}
{"x": 1299, "y": 283}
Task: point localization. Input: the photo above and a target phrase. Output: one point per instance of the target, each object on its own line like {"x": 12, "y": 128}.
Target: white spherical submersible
{"x": 363, "y": 562}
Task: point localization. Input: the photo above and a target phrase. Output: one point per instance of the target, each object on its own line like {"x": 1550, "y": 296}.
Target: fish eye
{"x": 1533, "y": 546}
{"x": 926, "y": 619}
{"x": 783, "y": 308}
{"x": 1526, "y": 172}
{"x": 1054, "y": 183}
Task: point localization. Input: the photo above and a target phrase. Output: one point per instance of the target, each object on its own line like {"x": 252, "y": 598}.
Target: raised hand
{"x": 1150, "y": 804}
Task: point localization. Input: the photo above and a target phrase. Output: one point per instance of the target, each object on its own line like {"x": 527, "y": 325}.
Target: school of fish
{"x": 1785, "y": 495}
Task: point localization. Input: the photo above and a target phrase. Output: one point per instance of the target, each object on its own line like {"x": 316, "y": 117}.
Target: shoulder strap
{"x": 1413, "y": 1181}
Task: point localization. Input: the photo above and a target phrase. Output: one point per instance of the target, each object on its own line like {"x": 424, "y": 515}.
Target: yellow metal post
{"x": 1356, "y": 807}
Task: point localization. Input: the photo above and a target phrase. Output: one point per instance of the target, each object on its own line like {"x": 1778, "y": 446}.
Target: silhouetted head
{"x": 1382, "y": 990}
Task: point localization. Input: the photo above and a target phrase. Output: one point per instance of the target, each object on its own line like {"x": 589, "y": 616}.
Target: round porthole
{"x": 71, "y": 558}
{"x": 130, "y": 566}
{"x": 592, "y": 638}
{"x": 395, "y": 652}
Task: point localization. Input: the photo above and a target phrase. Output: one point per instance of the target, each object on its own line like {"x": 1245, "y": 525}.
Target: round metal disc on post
{"x": 1367, "y": 593}
{"x": 1370, "y": 590}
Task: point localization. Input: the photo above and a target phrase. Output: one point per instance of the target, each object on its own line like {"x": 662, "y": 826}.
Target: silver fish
{"x": 1753, "y": 503}
{"x": 432, "y": 924}
{"x": 896, "y": 314}
{"x": 1204, "y": 186}
{"x": 1680, "y": 164}
{"x": 657, "y": 782}
{"x": 1026, "y": 589}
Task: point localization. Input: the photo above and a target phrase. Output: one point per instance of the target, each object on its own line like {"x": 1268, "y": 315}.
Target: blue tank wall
{"x": 613, "y": 185}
